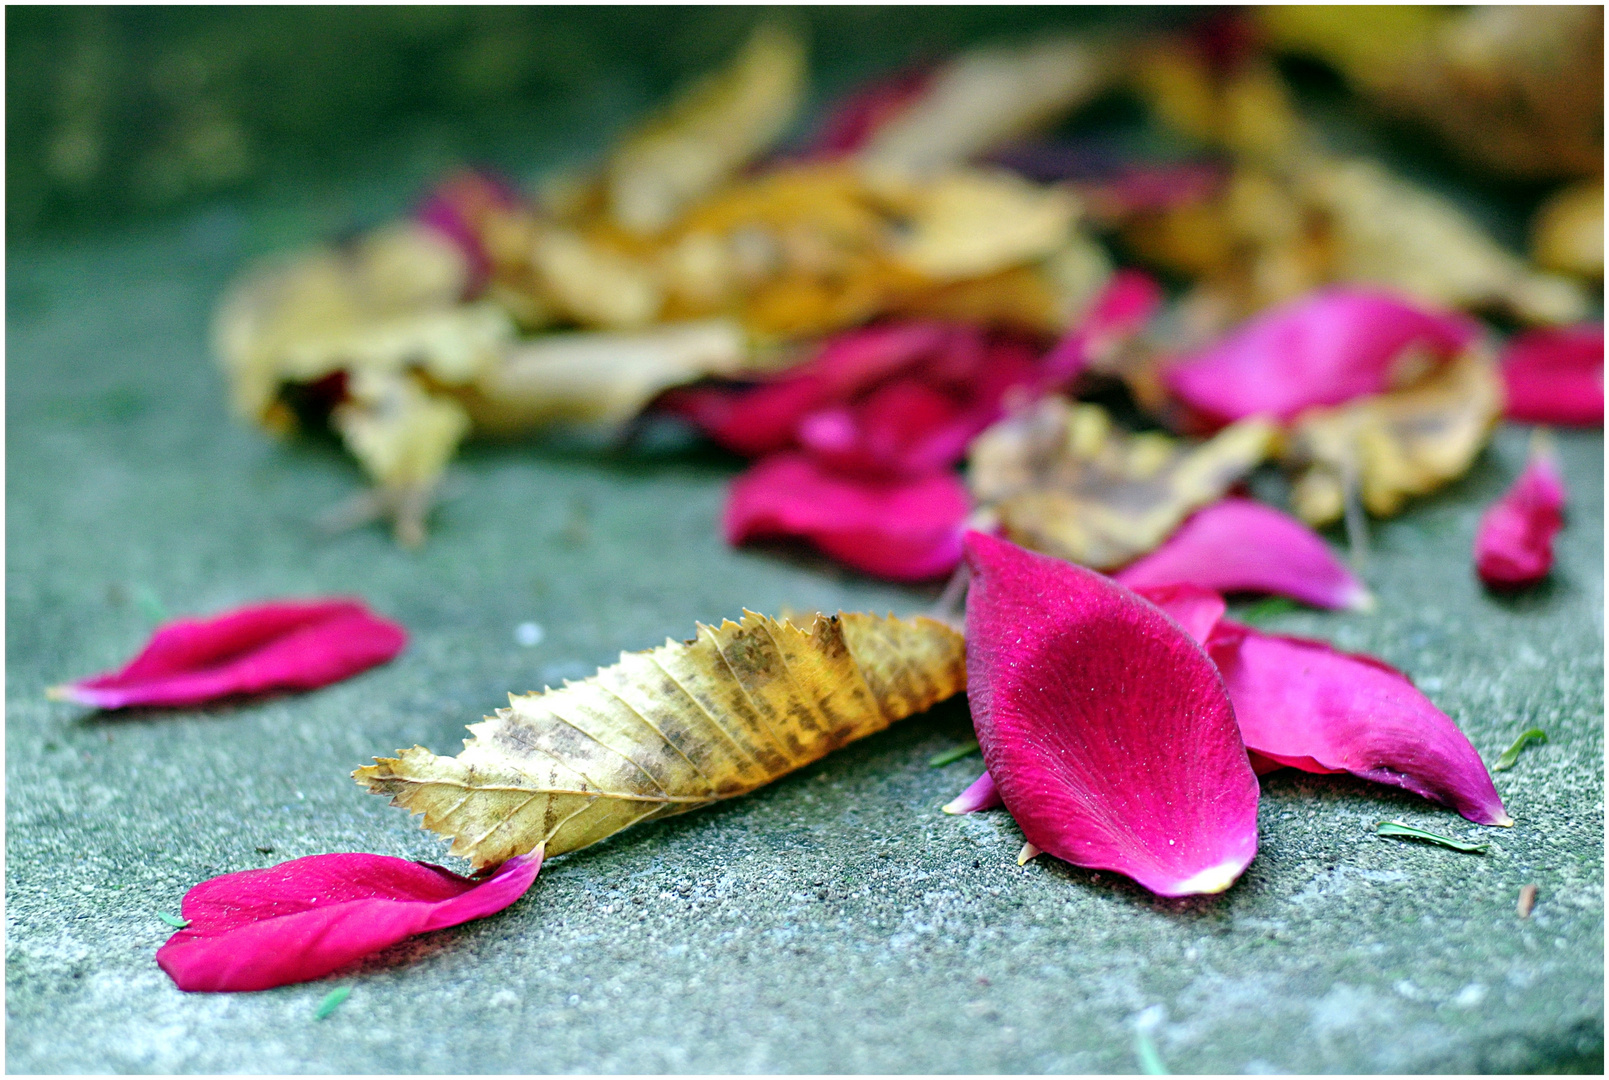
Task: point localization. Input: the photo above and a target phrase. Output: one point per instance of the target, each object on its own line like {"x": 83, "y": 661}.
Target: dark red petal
{"x": 1555, "y": 375}
{"x": 1514, "y": 543}
{"x": 853, "y": 122}
{"x": 981, "y": 794}
{"x": 282, "y": 645}
{"x": 1324, "y": 349}
{"x": 1239, "y": 545}
{"x": 1105, "y": 727}
{"x": 1197, "y": 610}
{"x": 1304, "y": 704}
{"x": 907, "y": 530}
{"x": 306, "y": 918}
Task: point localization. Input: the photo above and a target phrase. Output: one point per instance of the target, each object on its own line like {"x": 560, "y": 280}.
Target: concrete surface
{"x": 834, "y": 922}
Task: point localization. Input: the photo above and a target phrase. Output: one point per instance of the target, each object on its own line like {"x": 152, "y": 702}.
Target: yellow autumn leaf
{"x": 1063, "y": 479}
{"x": 1395, "y": 445}
{"x": 672, "y": 729}
{"x": 1567, "y": 232}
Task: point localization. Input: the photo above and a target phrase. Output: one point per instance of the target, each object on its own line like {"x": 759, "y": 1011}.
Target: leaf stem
{"x": 1512, "y": 754}
{"x": 1397, "y": 828}
{"x": 956, "y": 753}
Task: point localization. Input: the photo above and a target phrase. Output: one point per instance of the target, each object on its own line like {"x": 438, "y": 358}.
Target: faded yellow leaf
{"x": 1063, "y": 479}
{"x": 973, "y": 222}
{"x": 1395, "y": 445}
{"x": 708, "y": 133}
{"x": 1567, "y": 232}
{"x": 672, "y": 729}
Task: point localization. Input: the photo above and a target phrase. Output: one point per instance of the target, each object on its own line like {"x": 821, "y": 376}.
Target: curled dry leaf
{"x": 708, "y": 133}
{"x": 1064, "y": 480}
{"x": 303, "y": 919}
{"x": 1239, "y": 545}
{"x": 258, "y": 649}
{"x": 1555, "y": 375}
{"x": 1304, "y": 704}
{"x": 1514, "y": 541}
{"x": 905, "y": 529}
{"x": 1392, "y": 446}
{"x": 983, "y": 98}
{"x": 1105, "y": 727}
{"x": 1324, "y": 349}
{"x": 671, "y": 730}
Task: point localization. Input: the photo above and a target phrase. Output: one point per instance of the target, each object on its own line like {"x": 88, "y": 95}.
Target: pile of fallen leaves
{"x": 923, "y": 285}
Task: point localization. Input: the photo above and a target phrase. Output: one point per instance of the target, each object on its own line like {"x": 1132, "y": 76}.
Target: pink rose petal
{"x": 863, "y": 113}
{"x": 282, "y": 645}
{"x": 1121, "y": 310}
{"x": 1324, "y": 349}
{"x": 1555, "y": 375}
{"x": 1304, "y": 704}
{"x": 906, "y": 530}
{"x": 981, "y": 794}
{"x": 1105, "y": 727}
{"x": 303, "y": 919}
{"x": 456, "y": 209}
{"x": 1239, "y": 545}
{"x": 1514, "y": 542}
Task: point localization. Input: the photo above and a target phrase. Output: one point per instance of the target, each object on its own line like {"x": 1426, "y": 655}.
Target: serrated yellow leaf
{"x": 672, "y": 729}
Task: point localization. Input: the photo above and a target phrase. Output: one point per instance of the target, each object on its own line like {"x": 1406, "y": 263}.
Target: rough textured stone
{"x": 834, "y": 922}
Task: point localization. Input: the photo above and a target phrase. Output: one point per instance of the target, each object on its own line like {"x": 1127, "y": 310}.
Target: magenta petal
{"x": 306, "y": 918}
{"x": 283, "y": 645}
{"x": 1555, "y": 375}
{"x": 1198, "y": 611}
{"x": 853, "y": 121}
{"x": 1105, "y": 727}
{"x": 1239, "y": 545}
{"x": 1304, "y": 704}
{"x": 1514, "y": 543}
{"x": 981, "y": 794}
{"x": 1324, "y": 349}
{"x": 1122, "y": 309}
{"x": 907, "y": 530}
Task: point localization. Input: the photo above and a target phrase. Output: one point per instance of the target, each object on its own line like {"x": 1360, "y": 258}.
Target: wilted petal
{"x": 907, "y": 530}
{"x": 1105, "y": 727}
{"x": 1239, "y": 545}
{"x": 457, "y": 210}
{"x": 283, "y": 645}
{"x": 1122, "y": 309}
{"x": 981, "y": 794}
{"x": 1555, "y": 376}
{"x": 1514, "y": 543}
{"x": 306, "y": 918}
{"x": 1324, "y": 349}
{"x": 1304, "y": 704}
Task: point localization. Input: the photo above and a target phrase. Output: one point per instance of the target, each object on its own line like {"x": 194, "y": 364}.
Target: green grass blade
{"x": 331, "y": 1002}
{"x": 1150, "y": 1060}
{"x": 1397, "y": 828}
{"x": 1512, "y": 754}
{"x": 173, "y": 920}
{"x": 964, "y": 750}
{"x": 1268, "y": 609}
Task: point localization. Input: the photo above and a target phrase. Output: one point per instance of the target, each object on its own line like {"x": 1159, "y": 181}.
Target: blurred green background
{"x": 115, "y": 112}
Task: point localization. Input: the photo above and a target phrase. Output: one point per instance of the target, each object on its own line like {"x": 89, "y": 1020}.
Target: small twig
{"x": 947, "y": 608}
{"x": 1150, "y": 1061}
{"x": 1527, "y": 901}
{"x": 173, "y": 920}
{"x": 1397, "y": 828}
{"x": 1357, "y": 523}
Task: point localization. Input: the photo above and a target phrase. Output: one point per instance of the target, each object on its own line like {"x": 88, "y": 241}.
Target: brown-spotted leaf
{"x": 1391, "y": 446}
{"x": 1064, "y": 480}
{"x": 672, "y": 729}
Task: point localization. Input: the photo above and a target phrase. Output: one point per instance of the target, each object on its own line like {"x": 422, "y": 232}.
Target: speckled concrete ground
{"x": 834, "y": 922}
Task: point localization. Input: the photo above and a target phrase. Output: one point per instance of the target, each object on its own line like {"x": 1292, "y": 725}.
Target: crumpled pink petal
{"x": 1554, "y": 375}
{"x": 281, "y": 645}
{"x": 456, "y": 208}
{"x": 1105, "y": 727}
{"x": 1323, "y": 349}
{"x": 305, "y": 918}
{"x": 1240, "y": 545}
{"x": 1121, "y": 309}
{"x": 1514, "y": 542}
{"x": 1304, "y": 704}
{"x": 981, "y": 794}
{"x": 906, "y": 530}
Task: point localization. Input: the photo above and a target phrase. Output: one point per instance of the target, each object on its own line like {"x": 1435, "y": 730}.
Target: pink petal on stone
{"x": 303, "y": 919}
{"x": 1105, "y": 727}
{"x": 906, "y": 530}
{"x": 1324, "y": 349}
{"x": 981, "y": 794}
{"x": 282, "y": 645}
{"x": 1555, "y": 375}
{"x": 1514, "y": 542}
{"x": 1304, "y": 704}
{"x": 1239, "y": 545}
